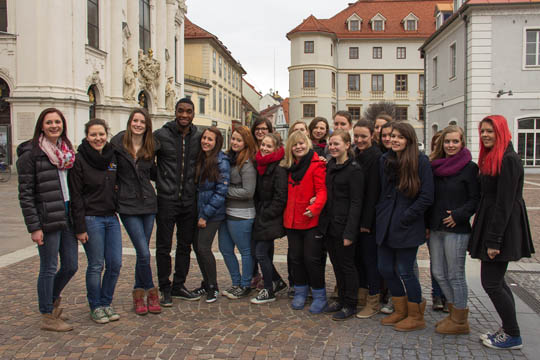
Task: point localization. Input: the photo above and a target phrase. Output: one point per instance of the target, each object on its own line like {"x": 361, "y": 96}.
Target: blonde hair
{"x": 438, "y": 152}
{"x": 294, "y": 138}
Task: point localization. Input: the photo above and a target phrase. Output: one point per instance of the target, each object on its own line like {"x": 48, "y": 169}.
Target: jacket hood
{"x": 24, "y": 147}
{"x": 118, "y": 138}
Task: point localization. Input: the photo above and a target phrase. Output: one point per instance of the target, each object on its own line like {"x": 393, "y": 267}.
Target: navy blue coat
{"x": 400, "y": 220}
{"x": 211, "y": 195}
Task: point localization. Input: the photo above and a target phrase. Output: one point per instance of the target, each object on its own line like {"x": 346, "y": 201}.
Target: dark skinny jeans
{"x": 202, "y": 245}
{"x": 396, "y": 265}
{"x": 306, "y": 255}
{"x": 367, "y": 247}
{"x": 264, "y": 252}
{"x": 342, "y": 258}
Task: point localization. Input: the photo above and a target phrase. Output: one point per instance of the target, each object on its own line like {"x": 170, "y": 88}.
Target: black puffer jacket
{"x": 270, "y": 201}
{"x": 136, "y": 195}
{"x": 40, "y": 192}
{"x": 176, "y": 169}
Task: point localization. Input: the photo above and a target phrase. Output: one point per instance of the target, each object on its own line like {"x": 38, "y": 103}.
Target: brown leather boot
{"x": 400, "y": 311}
{"x": 362, "y": 297}
{"x": 373, "y": 306}
{"x": 51, "y": 323}
{"x": 450, "y": 307}
{"x": 458, "y": 323}
{"x": 57, "y": 311}
{"x": 414, "y": 319}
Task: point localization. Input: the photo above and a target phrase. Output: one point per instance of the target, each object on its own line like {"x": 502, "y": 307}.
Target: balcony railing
{"x": 377, "y": 94}
{"x": 401, "y": 94}
{"x": 195, "y": 80}
{"x": 354, "y": 94}
{"x": 310, "y": 91}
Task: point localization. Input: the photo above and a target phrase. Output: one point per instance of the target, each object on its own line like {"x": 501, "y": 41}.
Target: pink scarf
{"x": 60, "y": 154}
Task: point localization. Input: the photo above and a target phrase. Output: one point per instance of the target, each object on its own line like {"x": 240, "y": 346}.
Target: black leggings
{"x": 492, "y": 276}
{"x": 203, "y": 251}
{"x": 306, "y": 256}
{"x": 264, "y": 252}
{"x": 342, "y": 258}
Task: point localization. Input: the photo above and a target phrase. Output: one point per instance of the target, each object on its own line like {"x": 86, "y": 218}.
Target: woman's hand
{"x": 312, "y": 200}
{"x": 37, "y": 237}
{"x": 492, "y": 253}
{"x": 364, "y": 230}
{"x": 201, "y": 223}
{"x": 308, "y": 213}
{"x": 449, "y": 221}
{"x": 347, "y": 242}
{"x": 82, "y": 237}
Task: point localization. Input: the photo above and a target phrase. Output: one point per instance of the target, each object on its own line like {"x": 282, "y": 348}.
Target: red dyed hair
{"x": 490, "y": 160}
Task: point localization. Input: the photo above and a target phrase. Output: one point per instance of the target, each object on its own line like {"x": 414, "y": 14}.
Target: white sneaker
{"x": 388, "y": 308}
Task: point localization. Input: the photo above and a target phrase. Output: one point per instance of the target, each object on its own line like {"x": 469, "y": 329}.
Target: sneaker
{"x": 445, "y": 308}
{"x": 200, "y": 291}
{"x": 488, "y": 335}
{"x": 185, "y": 294}
{"x": 211, "y": 295}
{"x": 504, "y": 341}
{"x": 241, "y": 291}
{"x": 263, "y": 297}
{"x": 388, "y": 308}
{"x": 98, "y": 316}
{"x": 333, "y": 307}
{"x": 228, "y": 292}
{"x": 343, "y": 314}
{"x": 290, "y": 292}
{"x": 279, "y": 286}
{"x": 111, "y": 314}
{"x": 166, "y": 299}
{"x": 437, "y": 304}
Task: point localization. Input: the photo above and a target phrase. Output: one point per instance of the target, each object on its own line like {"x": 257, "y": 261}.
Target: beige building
{"x": 213, "y": 80}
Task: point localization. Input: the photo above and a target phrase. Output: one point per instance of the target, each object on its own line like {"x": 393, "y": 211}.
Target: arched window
{"x": 93, "y": 102}
{"x": 5, "y": 123}
{"x": 528, "y": 144}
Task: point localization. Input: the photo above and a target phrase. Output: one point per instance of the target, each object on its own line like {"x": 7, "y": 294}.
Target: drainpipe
{"x": 336, "y": 52}
{"x": 465, "y": 19}
{"x": 424, "y": 103}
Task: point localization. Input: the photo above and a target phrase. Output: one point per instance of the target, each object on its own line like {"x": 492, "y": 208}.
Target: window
{"x": 377, "y": 82}
{"x": 401, "y": 82}
{"x": 220, "y": 66}
{"x": 532, "y": 52}
{"x": 355, "y": 113}
{"x": 353, "y": 82}
{"x": 214, "y": 99}
{"x": 3, "y": 16}
{"x": 421, "y": 113}
{"x": 219, "y": 100}
{"x": 453, "y": 61}
{"x": 331, "y": 50}
{"x": 309, "y": 110}
{"x": 377, "y": 25}
{"x": 401, "y": 52}
{"x": 333, "y": 81}
{"x": 528, "y": 143}
{"x": 435, "y": 71}
{"x": 201, "y": 105}
{"x": 377, "y": 52}
{"x": 354, "y": 25}
{"x": 309, "y": 47}
{"x": 410, "y": 25}
{"x": 214, "y": 61}
{"x": 230, "y": 107}
{"x": 225, "y": 104}
{"x": 353, "y": 53}
{"x": 421, "y": 83}
{"x": 309, "y": 78}
{"x": 144, "y": 25}
{"x": 175, "y": 59}
{"x": 93, "y": 22}
{"x": 401, "y": 113}
{"x": 229, "y": 73}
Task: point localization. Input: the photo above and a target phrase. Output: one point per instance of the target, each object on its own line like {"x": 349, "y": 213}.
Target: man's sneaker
{"x": 166, "y": 299}
{"x": 111, "y": 314}
{"x": 504, "y": 341}
{"x": 279, "y": 286}
{"x": 437, "y": 304}
{"x": 185, "y": 294}
{"x": 228, "y": 292}
{"x": 263, "y": 297}
{"x": 212, "y": 294}
{"x": 488, "y": 335}
{"x": 98, "y": 316}
{"x": 241, "y": 291}
{"x": 388, "y": 308}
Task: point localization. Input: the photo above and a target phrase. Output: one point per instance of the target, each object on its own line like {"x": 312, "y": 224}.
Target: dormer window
{"x": 410, "y": 22}
{"x": 354, "y": 22}
{"x": 377, "y": 22}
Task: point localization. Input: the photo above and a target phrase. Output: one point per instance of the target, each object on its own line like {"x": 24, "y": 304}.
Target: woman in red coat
{"x": 301, "y": 218}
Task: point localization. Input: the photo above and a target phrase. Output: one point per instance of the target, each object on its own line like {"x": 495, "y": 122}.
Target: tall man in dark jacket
{"x": 177, "y": 201}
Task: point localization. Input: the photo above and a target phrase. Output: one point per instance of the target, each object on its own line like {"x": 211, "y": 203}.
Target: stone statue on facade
{"x": 170, "y": 94}
{"x": 149, "y": 72}
{"x": 130, "y": 84}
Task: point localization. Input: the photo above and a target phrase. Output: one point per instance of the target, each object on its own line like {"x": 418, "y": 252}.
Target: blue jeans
{"x": 104, "y": 246}
{"x": 447, "y": 251}
{"x": 139, "y": 229}
{"x": 51, "y": 282}
{"x": 397, "y": 268}
{"x": 237, "y": 232}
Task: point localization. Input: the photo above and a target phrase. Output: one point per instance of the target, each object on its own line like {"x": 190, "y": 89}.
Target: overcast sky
{"x": 254, "y": 29}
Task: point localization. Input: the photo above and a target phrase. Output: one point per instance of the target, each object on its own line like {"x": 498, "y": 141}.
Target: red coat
{"x": 312, "y": 184}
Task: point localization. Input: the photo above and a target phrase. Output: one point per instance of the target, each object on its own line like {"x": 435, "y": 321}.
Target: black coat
{"x": 501, "y": 221}
{"x": 136, "y": 195}
{"x": 460, "y": 194}
{"x": 340, "y": 217}
{"x": 270, "y": 201}
{"x": 400, "y": 219}
{"x": 369, "y": 161}
{"x": 176, "y": 169}
{"x": 40, "y": 193}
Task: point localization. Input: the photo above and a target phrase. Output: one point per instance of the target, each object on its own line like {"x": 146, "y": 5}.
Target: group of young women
{"x": 368, "y": 202}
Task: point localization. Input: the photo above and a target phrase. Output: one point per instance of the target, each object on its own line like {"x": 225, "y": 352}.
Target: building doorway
{"x": 5, "y": 123}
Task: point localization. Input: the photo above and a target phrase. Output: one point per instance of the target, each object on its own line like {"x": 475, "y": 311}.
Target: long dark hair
{"x": 207, "y": 166}
{"x": 314, "y": 123}
{"x": 381, "y": 145}
{"x": 404, "y": 168}
{"x": 147, "y": 149}
{"x": 39, "y": 127}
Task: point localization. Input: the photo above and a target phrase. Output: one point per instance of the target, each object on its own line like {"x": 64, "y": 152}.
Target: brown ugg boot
{"x": 362, "y": 297}
{"x": 50, "y": 322}
{"x": 458, "y": 323}
{"x": 373, "y": 306}
{"x": 400, "y": 311}
{"x": 414, "y": 319}
{"x": 450, "y": 307}
{"x": 57, "y": 311}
